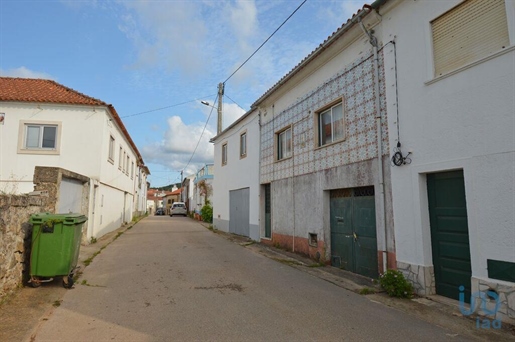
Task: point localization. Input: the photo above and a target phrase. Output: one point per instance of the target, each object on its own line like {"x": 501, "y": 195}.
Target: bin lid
{"x": 67, "y": 219}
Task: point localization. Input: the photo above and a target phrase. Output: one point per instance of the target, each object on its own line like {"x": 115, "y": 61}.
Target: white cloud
{"x": 231, "y": 113}
{"x": 178, "y": 144}
{"x": 23, "y": 72}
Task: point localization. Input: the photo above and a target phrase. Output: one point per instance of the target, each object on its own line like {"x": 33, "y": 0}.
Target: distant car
{"x": 178, "y": 208}
{"x": 160, "y": 211}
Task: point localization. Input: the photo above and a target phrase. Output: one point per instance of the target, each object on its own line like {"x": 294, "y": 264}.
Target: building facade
{"x": 450, "y": 75}
{"x": 47, "y": 124}
{"x": 236, "y": 185}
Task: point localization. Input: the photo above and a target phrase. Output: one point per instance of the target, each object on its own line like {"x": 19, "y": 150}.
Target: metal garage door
{"x": 70, "y": 196}
{"x": 239, "y": 214}
{"x": 353, "y": 231}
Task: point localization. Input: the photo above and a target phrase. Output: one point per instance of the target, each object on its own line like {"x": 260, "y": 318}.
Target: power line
{"x": 235, "y": 102}
{"x": 284, "y": 22}
{"x": 201, "y": 134}
{"x": 155, "y": 110}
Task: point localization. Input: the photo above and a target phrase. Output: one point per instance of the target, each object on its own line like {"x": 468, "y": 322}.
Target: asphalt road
{"x": 171, "y": 279}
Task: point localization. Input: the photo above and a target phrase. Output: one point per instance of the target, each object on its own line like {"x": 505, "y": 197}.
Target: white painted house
{"x": 47, "y": 124}
{"x": 236, "y": 185}
{"x": 454, "y": 202}
{"x": 202, "y": 188}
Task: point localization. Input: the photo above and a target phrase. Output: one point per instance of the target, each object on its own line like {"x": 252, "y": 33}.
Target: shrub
{"x": 207, "y": 213}
{"x": 394, "y": 283}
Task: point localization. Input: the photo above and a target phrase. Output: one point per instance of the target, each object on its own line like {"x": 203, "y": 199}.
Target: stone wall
{"x": 15, "y": 229}
{"x": 421, "y": 277}
{"x": 15, "y": 237}
{"x": 503, "y": 306}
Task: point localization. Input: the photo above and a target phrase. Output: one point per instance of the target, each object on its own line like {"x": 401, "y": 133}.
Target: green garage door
{"x": 449, "y": 233}
{"x": 353, "y": 231}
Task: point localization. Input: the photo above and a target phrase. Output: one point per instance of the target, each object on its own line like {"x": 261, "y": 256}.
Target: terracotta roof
{"x": 176, "y": 192}
{"x": 48, "y": 91}
{"x": 45, "y": 91}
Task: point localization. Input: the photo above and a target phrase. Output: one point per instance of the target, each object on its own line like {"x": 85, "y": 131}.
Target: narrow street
{"x": 169, "y": 279}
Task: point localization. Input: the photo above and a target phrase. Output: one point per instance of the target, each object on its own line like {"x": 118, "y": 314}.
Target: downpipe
{"x": 373, "y": 42}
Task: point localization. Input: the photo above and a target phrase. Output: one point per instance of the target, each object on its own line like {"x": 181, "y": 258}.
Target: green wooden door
{"x": 342, "y": 239}
{"x": 268, "y": 212}
{"x": 449, "y": 233}
{"x": 353, "y": 231}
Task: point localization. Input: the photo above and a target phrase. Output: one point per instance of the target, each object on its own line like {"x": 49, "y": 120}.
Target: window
{"x": 224, "y": 154}
{"x": 111, "y": 149}
{"x": 284, "y": 144}
{"x": 331, "y": 127}
{"x": 120, "y": 158}
{"x": 127, "y": 166}
{"x": 243, "y": 145}
{"x": 124, "y": 164}
{"x": 39, "y": 137}
{"x": 470, "y": 31}
{"x": 132, "y": 171}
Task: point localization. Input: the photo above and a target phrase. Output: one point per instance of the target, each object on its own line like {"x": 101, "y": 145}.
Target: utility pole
{"x": 220, "y": 98}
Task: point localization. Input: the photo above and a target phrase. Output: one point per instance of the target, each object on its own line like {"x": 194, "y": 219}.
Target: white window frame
{"x": 280, "y": 154}
{"x": 120, "y": 158}
{"x": 112, "y": 144}
{"x": 22, "y": 137}
{"x": 243, "y": 145}
{"x": 318, "y": 123}
{"x": 225, "y": 150}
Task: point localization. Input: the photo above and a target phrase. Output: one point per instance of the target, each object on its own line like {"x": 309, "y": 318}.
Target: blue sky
{"x": 140, "y": 56}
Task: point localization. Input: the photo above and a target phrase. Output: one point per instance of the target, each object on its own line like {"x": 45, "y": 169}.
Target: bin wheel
{"x": 68, "y": 282}
{"x": 35, "y": 283}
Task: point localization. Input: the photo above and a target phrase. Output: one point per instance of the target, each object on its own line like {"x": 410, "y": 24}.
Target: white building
{"x": 454, "y": 203}
{"x": 236, "y": 184}
{"x": 187, "y": 190}
{"x": 47, "y": 124}
{"x": 202, "y": 188}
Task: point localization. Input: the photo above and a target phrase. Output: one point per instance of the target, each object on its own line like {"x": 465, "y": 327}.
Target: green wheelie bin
{"x": 56, "y": 242}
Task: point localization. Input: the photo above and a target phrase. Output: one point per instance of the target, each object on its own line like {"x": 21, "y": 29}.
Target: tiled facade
{"x": 355, "y": 84}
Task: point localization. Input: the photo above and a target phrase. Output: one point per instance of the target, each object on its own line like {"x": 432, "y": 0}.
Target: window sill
{"x": 111, "y": 161}
{"x": 41, "y": 152}
{"x": 330, "y": 144}
{"x": 471, "y": 65}
{"x": 281, "y": 160}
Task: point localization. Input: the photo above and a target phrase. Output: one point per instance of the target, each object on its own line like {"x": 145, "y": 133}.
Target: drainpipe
{"x": 373, "y": 42}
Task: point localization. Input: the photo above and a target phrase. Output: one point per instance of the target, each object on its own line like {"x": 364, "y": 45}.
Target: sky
{"x": 154, "y": 61}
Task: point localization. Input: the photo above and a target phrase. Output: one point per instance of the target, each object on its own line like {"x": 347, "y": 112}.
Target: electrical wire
{"x": 200, "y": 138}
{"x": 236, "y": 103}
{"x": 157, "y": 109}
{"x": 284, "y": 22}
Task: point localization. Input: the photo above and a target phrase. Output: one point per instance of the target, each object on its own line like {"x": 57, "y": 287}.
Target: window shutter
{"x": 470, "y": 31}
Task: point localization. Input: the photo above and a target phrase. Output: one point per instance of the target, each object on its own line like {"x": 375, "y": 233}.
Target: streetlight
{"x": 219, "y": 109}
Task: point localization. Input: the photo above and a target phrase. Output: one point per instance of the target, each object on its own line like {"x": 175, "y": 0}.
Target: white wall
{"x": 238, "y": 173}
{"x": 463, "y": 121}
{"x": 83, "y": 147}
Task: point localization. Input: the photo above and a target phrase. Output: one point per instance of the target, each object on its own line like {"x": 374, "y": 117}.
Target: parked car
{"x": 178, "y": 208}
{"x": 160, "y": 211}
